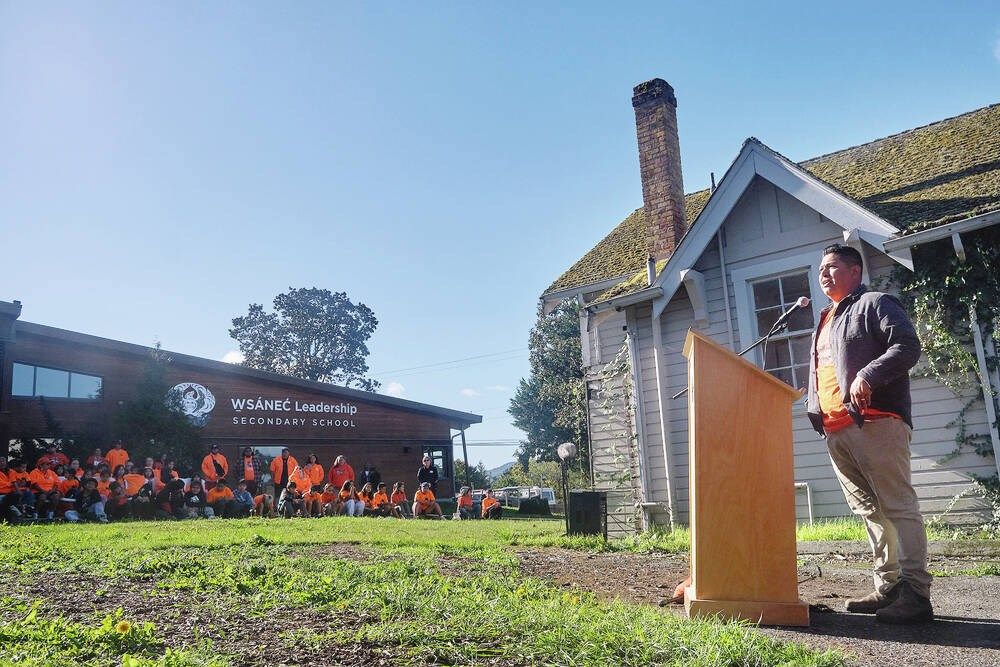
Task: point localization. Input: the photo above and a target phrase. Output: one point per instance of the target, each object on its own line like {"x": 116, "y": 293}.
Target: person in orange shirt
{"x": 251, "y": 468}
{"x": 104, "y": 483}
{"x": 54, "y": 456}
{"x": 381, "y": 505}
{"x": 350, "y": 504}
{"x": 224, "y": 502}
{"x": 365, "y": 496}
{"x": 44, "y": 484}
{"x": 95, "y": 459}
{"x": 329, "y": 501}
{"x": 340, "y": 472}
{"x": 315, "y": 472}
{"x": 117, "y": 456}
{"x": 17, "y": 500}
{"x": 464, "y": 500}
{"x": 491, "y": 506}
{"x": 214, "y": 466}
{"x": 310, "y": 499}
{"x": 399, "y": 501}
{"x": 281, "y": 467}
{"x": 133, "y": 483}
{"x": 67, "y": 485}
{"x": 425, "y": 505}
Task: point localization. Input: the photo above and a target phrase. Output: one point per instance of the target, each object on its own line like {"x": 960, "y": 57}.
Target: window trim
{"x": 743, "y": 289}
{"x": 34, "y": 384}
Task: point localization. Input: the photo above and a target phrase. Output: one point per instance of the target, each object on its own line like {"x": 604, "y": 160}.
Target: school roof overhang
{"x": 455, "y": 418}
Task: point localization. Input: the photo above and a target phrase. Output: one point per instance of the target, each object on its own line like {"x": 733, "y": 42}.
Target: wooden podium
{"x": 742, "y": 490}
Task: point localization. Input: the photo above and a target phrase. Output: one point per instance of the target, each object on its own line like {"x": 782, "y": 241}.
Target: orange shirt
{"x": 831, "y": 398}
{"x": 380, "y": 498}
{"x": 115, "y": 458}
{"x": 465, "y": 501}
{"x": 46, "y": 481}
{"x": 346, "y": 495}
{"x": 340, "y": 474}
{"x": 276, "y": 470}
{"x": 248, "y": 473}
{"x": 488, "y": 503}
{"x": 14, "y": 476}
{"x": 314, "y": 472}
{"x": 398, "y": 497}
{"x": 217, "y": 493}
{"x": 424, "y": 498}
{"x": 208, "y": 466}
{"x": 327, "y": 497}
{"x": 365, "y": 498}
{"x": 103, "y": 486}
{"x": 133, "y": 482}
{"x": 68, "y": 485}
{"x": 6, "y": 485}
{"x": 302, "y": 482}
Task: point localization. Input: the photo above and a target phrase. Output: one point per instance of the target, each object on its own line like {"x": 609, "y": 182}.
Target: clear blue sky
{"x": 164, "y": 165}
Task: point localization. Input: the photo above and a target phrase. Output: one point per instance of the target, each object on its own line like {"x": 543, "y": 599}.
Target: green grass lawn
{"x": 410, "y": 592}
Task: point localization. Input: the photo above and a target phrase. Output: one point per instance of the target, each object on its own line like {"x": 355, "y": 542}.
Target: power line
{"x": 519, "y": 350}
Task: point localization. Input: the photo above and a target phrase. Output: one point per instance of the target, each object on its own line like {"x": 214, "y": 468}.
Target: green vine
{"x": 944, "y": 294}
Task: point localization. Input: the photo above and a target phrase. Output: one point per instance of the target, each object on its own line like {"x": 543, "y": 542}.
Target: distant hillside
{"x": 499, "y": 470}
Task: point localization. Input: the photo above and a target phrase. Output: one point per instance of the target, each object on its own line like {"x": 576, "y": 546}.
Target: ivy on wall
{"x": 942, "y": 294}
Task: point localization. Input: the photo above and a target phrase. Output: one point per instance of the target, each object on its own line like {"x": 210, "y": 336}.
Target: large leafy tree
{"x": 479, "y": 478}
{"x": 313, "y": 333}
{"x": 549, "y": 406}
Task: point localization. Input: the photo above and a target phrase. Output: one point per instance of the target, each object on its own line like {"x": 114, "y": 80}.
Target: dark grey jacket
{"x": 872, "y": 337}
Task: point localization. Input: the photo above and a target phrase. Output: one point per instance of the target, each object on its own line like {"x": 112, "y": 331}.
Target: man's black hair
{"x": 850, "y": 255}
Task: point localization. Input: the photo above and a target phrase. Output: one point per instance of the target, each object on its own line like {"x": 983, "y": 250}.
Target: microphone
{"x": 801, "y": 302}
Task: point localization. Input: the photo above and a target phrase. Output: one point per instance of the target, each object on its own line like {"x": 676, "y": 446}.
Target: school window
{"x": 30, "y": 380}
{"x": 787, "y": 354}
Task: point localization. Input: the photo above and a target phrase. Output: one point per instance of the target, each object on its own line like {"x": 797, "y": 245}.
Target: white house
{"x": 729, "y": 260}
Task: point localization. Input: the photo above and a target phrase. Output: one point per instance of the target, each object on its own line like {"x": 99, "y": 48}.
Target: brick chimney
{"x": 660, "y": 166}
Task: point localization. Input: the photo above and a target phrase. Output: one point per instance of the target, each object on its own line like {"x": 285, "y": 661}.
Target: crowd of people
{"x": 110, "y": 486}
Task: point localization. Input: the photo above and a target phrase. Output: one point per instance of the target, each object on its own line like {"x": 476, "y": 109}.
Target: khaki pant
{"x": 873, "y": 465}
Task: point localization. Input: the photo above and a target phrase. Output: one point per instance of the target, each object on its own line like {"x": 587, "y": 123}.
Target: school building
{"x": 52, "y": 376}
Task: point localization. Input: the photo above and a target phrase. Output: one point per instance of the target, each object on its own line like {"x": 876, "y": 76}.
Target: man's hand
{"x": 861, "y": 394}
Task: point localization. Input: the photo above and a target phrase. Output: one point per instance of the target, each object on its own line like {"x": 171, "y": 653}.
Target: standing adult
{"x": 116, "y": 456}
{"x": 428, "y": 472}
{"x": 371, "y": 475}
{"x": 859, "y": 398}
{"x": 281, "y": 469}
{"x": 251, "y": 468}
{"x": 214, "y": 467}
{"x": 340, "y": 472}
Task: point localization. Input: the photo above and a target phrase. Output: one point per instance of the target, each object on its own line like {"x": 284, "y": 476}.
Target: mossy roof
{"x": 920, "y": 178}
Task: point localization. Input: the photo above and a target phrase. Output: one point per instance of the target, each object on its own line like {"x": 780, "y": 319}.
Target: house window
{"x": 787, "y": 354}
{"x": 54, "y": 383}
{"x": 440, "y": 459}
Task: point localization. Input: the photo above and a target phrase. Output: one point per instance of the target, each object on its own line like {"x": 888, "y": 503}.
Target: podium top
{"x": 693, "y": 337}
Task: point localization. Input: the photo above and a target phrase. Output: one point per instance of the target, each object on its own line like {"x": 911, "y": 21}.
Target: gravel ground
{"x": 966, "y": 632}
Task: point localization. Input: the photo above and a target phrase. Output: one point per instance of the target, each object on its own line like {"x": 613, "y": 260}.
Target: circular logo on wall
{"x": 194, "y": 400}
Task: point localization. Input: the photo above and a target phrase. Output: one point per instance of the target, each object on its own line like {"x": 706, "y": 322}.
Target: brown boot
{"x": 872, "y": 602}
{"x": 910, "y": 607}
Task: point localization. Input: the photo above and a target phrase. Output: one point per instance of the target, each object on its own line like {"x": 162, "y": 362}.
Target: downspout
{"x": 640, "y": 413}
{"x": 984, "y": 373}
{"x": 663, "y": 403}
{"x": 660, "y": 366}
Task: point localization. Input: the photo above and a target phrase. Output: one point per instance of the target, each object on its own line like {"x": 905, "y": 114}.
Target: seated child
{"x": 196, "y": 502}
{"x": 291, "y": 501}
{"x": 425, "y": 505}
{"x": 330, "y": 501}
{"x": 350, "y": 504}
{"x": 90, "y": 502}
{"x": 381, "y": 505}
{"x": 223, "y": 502}
{"x": 399, "y": 501}
{"x": 464, "y": 500}
{"x": 491, "y": 506}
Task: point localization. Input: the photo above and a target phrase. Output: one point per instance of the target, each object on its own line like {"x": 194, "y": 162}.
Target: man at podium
{"x": 859, "y": 399}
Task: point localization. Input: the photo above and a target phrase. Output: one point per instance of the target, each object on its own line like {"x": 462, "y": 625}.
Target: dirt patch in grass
{"x": 966, "y": 632}
{"x": 182, "y": 618}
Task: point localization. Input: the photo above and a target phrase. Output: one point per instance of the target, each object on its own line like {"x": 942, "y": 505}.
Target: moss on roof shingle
{"x": 938, "y": 173}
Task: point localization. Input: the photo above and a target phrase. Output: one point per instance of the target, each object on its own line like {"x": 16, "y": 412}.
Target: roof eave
{"x": 619, "y": 302}
{"x": 455, "y": 417}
